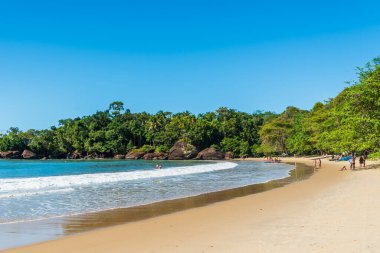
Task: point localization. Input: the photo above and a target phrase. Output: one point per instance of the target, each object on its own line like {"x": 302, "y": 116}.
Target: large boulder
{"x": 118, "y": 156}
{"x": 210, "y": 154}
{"x": 91, "y": 156}
{"x": 229, "y": 155}
{"x": 27, "y": 154}
{"x": 135, "y": 154}
{"x": 156, "y": 156}
{"x": 75, "y": 155}
{"x": 10, "y": 155}
{"x": 182, "y": 150}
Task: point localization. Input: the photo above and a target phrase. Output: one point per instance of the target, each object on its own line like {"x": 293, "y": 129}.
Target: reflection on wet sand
{"x": 18, "y": 234}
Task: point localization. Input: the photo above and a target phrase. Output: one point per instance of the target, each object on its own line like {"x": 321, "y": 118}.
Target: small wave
{"x": 32, "y": 193}
{"x": 8, "y": 186}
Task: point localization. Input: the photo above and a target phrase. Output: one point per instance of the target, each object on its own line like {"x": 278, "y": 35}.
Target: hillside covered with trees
{"x": 350, "y": 122}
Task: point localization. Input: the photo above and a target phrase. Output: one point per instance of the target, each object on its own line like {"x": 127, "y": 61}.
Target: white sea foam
{"x": 14, "y": 194}
{"x": 36, "y": 184}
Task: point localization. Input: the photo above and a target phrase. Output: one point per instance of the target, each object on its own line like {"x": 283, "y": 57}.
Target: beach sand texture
{"x": 332, "y": 211}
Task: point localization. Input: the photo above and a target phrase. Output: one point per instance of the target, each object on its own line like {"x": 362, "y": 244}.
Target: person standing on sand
{"x": 319, "y": 163}
{"x": 350, "y": 161}
{"x": 362, "y": 161}
{"x": 353, "y": 162}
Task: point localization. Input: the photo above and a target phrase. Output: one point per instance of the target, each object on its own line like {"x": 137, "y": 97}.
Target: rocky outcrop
{"x": 91, "y": 156}
{"x": 118, "y": 156}
{"x": 10, "y": 155}
{"x": 210, "y": 154}
{"x": 229, "y": 156}
{"x": 75, "y": 155}
{"x": 135, "y": 154}
{"x": 182, "y": 150}
{"x": 156, "y": 156}
{"x": 27, "y": 154}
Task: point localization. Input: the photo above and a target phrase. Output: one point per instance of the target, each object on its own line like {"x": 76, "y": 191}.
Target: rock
{"x": 229, "y": 155}
{"x": 135, "y": 154}
{"x": 156, "y": 156}
{"x": 87, "y": 157}
{"x": 10, "y": 155}
{"x": 27, "y": 154}
{"x": 75, "y": 155}
{"x": 210, "y": 154}
{"x": 91, "y": 156}
{"x": 118, "y": 156}
{"x": 182, "y": 150}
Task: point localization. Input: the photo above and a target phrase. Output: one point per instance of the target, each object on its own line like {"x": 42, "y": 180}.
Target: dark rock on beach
{"x": 210, "y": 154}
{"x": 156, "y": 156}
{"x": 27, "y": 154}
{"x": 182, "y": 151}
{"x": 135, "y": 154}
{"x": 10, "y": 155}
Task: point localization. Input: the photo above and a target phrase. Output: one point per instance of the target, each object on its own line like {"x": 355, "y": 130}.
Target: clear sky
{"x": 66, "y": 58}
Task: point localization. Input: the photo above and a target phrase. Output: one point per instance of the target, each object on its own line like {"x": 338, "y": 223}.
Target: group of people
{"x": 352, "y": 161}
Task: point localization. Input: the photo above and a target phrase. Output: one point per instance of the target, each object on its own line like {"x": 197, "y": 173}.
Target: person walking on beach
{"x": 319, "y": 162}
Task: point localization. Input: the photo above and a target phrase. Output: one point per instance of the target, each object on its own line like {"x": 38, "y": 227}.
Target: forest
{"x": 349, "y": 123}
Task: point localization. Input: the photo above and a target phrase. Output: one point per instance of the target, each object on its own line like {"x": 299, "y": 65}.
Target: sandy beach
{"x": 332, "y": 211}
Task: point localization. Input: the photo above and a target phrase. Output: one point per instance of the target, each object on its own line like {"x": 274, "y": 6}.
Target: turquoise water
{"x": 32, "y": 190}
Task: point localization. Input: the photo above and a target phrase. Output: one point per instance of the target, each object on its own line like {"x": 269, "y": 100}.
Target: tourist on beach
{"x": 352, "y": 162}
{"x": 319, "y": 163}
{"x": 343, "y": 168}
{"x": 362, "y": 161}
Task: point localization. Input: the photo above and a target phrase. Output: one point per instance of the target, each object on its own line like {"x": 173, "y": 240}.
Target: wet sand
{"x": 332, "y": 211}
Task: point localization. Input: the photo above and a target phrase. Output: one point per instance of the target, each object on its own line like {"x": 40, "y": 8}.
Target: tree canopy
{"x": 350, "y": 122}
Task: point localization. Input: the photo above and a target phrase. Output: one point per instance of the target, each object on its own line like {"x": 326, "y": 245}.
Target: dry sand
{"x": 332, "y": 211}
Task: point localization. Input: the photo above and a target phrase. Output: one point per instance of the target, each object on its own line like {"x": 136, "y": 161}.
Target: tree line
{"x": 350, "y": 122}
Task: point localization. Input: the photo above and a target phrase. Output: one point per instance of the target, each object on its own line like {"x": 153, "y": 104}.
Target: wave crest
{"x": 8, "y": 186}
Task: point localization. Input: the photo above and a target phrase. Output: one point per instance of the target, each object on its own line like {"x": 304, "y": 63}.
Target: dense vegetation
{"x": 349, "y": 122}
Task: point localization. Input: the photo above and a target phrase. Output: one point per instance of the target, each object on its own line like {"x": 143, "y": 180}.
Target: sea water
{"x": 32, "y": 190}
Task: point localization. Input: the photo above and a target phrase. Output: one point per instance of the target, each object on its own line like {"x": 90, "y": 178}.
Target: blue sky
{"x": 61, "y": 59}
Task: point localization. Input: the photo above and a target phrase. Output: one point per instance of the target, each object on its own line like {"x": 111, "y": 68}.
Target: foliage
{"x": 350, "y": 122}
{"x": 117, "y": 131}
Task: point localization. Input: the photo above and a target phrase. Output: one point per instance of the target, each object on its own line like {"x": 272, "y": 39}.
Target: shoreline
{"x": 84, "y": 222}
{"x": 258, "y": 221}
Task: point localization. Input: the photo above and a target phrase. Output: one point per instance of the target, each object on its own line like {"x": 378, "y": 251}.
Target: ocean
{"x": 35, "y": 190}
